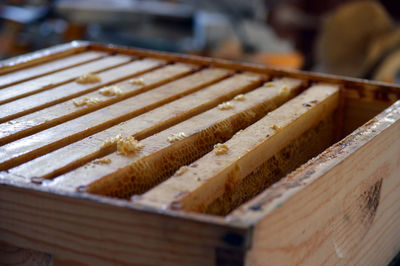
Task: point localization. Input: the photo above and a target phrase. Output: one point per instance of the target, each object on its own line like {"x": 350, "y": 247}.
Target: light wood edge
{"x": 104, "y": 54}
{"x": 281, "y": 192}
{"x": 11, "y": 184}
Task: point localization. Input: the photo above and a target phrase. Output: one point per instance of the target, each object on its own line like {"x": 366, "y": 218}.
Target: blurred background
{"x": 352, "y": 38}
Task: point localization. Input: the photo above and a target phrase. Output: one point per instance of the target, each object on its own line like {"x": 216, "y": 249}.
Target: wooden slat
{"x": 33, "y": 86}
{"x": 308, "y": 145}
{"x": 44, "y": 55}
{"x": 83, "y": 151}
{"x": 212, "y": 174}
{"x": 65, "y": 111}
{"x": 45, "y": 141}
{"x": 47, "y": 68}
{"x": 72, "y": 89}
{"x": 140, "y": 172}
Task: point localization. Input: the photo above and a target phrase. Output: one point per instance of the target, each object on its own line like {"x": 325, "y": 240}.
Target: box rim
{"x": 20, "y": 62}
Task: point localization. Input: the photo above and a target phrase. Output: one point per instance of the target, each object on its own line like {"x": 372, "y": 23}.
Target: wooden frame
{"x": 342, "y": 207}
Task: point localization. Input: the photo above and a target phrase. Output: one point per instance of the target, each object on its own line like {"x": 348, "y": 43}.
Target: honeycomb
{"x": 182, "y": 170}
{"x": 88, "y": 78}
{"x": 111, "y": 91}
{"x": 112, "y": 140}
{"x": 137, "y": 81}
{"x": 128, "y": 146}
{"x": 225, "y": 106}
{"x": 149, "y": 171}
{"x": 239, "y": 97}
{"x": 176, "y": 137}
{"x": 86, "y": 101}
{"x": 220, "y": 149}
{"x": 102, "y": 161}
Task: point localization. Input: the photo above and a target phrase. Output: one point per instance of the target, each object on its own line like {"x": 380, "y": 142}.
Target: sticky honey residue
{"x": 112, "y": 140}
{"x": 138, "y": 81}
{"x": 128, "y": 146}
{"x": 85, "y": 101}
{"x": 88, "y": 78}
{"x": 220, "y": 149}
{"x": 176, "y": 137}
{"x": 284, "y": 90}
{"x": 370, "y": 122}
{"x": 225, "y": 106}
{"x": 239, "y": 97}
{"x": 102, "y": 161}
{"x": 274, "y": 127}
{"x": 182, "y": 170}
{"x": 239, "y": 132}
{"x": 111, "y": 91}
{"x": 269, "y": 84}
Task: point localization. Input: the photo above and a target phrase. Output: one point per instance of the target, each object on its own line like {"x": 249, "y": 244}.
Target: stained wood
{"x": 65, "y": 111}
{"x": 32, "y": 146}
{"x": 72, "y": 89}
{"x": 159, "y": 158}
{"x": 208, "y": 177}
{"x": 47, "y": 68}
{"x": 49, "y": 81}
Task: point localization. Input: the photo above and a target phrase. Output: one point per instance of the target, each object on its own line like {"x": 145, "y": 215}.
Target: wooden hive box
{"x": 163, "y": 159}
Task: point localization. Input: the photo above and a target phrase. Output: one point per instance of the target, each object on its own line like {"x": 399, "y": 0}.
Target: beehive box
{"x": 112, "y": 155}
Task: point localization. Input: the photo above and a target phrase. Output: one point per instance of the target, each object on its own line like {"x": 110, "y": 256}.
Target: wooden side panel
{"x": 341, "y": 208}
{"x": 357, "y": 111}
{"x": 102, "y": 234}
